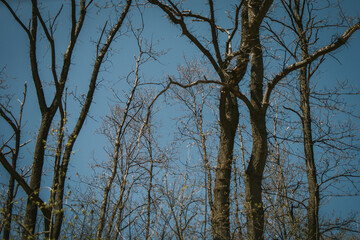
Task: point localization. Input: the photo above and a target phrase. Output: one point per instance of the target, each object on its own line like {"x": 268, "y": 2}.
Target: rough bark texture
{"x": 255, "y": 169}
{"x": 229, "y": 118}
{"x": 253, "y": 178}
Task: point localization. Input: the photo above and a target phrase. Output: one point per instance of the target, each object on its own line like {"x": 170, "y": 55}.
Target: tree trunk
{"x": 10, "y": 194}
{"x": 229, "y": 118}
{"x": 253, "y": 178}
{"x": 304, "y": 78}
{"x": 8, "y": 209}
{"x": 36, "y": 173}
{"x": 255, "y": 169}
{"x": 314, "y": 199}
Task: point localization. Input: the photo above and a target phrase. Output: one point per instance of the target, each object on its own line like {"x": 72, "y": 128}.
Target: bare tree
{"x": 284, "y": 188}
{"x": 123, "y": 155}
{"x": 242, "y": 165}
{"x": 48, "y": 111}
{"x": 306, "y": 27}
{"x": 15, "y": 123}
{"x": 122, "y": 124}
{"x": 297, "y": 10}
{"x": 195, "y": 128}
{"x": 231, "y": 67}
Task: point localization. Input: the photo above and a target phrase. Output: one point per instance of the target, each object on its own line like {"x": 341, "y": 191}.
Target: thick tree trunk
{"x": 229, "y": 118}
{"x": 255, "y": 169}
{"x": 253, "y": 178}
{"x": 314, "y": 199}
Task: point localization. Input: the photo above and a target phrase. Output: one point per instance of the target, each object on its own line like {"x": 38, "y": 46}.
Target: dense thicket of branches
{"x": 243, "y": 141}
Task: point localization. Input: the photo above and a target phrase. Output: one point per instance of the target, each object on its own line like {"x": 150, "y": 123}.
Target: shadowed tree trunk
{"x": 228, "y": 121}
{"x": 255, "y": 169}
{"x": 314, "y": 199}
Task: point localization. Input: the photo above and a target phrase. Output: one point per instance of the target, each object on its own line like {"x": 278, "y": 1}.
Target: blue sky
{"x": 165, "y": 37}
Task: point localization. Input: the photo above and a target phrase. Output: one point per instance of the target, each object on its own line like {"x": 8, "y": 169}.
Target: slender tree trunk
{"x": 286, "y": 216}
{"x": 104, "y": 204}
{"x": 10, "y": 193}
{"x": 149, "y": 200}
{"x": 237, "y": 175}
{"x": 9, "y": 205}
{"x": 54, "y": 228}
{"x": 119, "y": 207}
{"x": 107, "y": 189}
{"x": 207, "y": 180}
{"x": 150, "y": 187}
{"x": 304, "y": 78}
{"x": 82, "y": 116}
{"x": 112, "y": 218}
{"x": 8, "y": 208}
{"x": 314, "y": 199}
{"x": 47, "y": 113}
{"x": 229, "y": 118}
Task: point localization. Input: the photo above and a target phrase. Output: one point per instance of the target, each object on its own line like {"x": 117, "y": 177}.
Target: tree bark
{"x": 229, "y": 118}
{"x": 255, "y": 169}
{"x": 253, "y": 178}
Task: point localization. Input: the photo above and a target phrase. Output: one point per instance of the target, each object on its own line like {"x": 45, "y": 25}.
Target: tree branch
{"x": 170, "y": 12}
{"x": 321, "y": 52}
{"x": 214, "y": 34}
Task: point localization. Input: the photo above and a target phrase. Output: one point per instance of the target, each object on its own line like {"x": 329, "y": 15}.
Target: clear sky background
{"x": 165, "y": 37}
